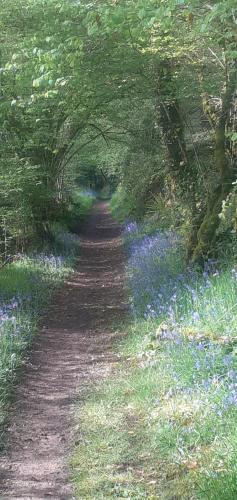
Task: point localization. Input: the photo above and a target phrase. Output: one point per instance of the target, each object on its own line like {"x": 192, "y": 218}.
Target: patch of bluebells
{"x": 150, "y": 280}
{"x": 216, "y": 371}
{"x": 90, "y": 193}
{"x": 156, "y": 289}
{"x": 159, "y": 289}
{"x": 12, "y": 309}
{"x": 25, "y": 289}
{"x": 65, "y": 241}
{"x": 131, "y": 228}
{"x": 131, "y": 232}
{"x": 49, "y": 260}
{"x": 202, "y": 365}
{"x": 68, "y": 240}
{"x": 16, "y": 328}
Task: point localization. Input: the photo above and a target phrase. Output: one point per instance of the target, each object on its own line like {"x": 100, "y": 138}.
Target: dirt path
{"x": 73, "y": 348}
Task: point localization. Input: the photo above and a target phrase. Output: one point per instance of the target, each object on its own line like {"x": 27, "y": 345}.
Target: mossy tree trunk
{"x": 171, "y": 123}
{"x": 180, "y": 162}
{"x": 226, "y": 171}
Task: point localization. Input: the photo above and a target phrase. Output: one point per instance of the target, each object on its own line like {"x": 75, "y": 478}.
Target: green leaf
{"x": 36, "y": 83}
{"x": 234, "y": 137}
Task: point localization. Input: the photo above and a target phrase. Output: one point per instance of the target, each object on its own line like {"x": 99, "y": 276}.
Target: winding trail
{"x": 72, "y": 349}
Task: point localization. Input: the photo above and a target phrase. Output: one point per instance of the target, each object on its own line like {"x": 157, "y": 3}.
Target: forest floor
{"x": 72, "y": 350}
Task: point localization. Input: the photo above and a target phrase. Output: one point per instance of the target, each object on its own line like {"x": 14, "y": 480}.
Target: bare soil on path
{"x": 73, "y": 349}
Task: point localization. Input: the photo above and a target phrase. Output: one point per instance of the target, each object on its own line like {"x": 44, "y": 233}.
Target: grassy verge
{"x": 25, "y": 288}
{"x": 165, "y": 425}
{"x": 76, "y": 210}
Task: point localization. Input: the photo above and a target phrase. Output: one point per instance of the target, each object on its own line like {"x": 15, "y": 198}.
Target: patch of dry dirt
{"x": 72, "y": 349}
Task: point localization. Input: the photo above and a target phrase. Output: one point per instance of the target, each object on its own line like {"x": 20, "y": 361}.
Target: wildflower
{"x": 206, "y": 383}
{"x": 195, "y": 316}
{"x": 227, "y": 360}
{"x": 230, "y": 400}
{"x": 131, "y": 227}
{"x": 201, "y": 346}
{"x": 232, "y": 374}
{"x": 234, "y": 273}
{"x": 197, "y": 365}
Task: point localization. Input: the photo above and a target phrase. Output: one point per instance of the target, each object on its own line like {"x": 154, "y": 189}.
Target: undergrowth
{"x": 165, "y": 425}
{"x": 26, "y": 286}
{"x": 76, "y": 210}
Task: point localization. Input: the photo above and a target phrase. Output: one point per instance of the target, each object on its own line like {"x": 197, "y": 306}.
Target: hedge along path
{"x": 72, "y": 349}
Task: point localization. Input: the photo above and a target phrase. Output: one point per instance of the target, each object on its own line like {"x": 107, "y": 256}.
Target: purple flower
{"x": 131, "y": 227}
{"x": 230, "y": 400}
{"x": 195, "y": 317}
{"x": 232, "y": 374}
{"x": 201, "y": 346}
{"x": 227, "y": 360}
{"x": 198, "y": 365}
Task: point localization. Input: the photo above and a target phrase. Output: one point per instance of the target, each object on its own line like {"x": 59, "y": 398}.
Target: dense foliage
{"x": 137, "y": 97}
{"x": 141, "y": 93}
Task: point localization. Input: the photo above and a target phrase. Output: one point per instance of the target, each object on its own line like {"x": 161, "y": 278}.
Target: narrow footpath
{"x": 72, "y": 349}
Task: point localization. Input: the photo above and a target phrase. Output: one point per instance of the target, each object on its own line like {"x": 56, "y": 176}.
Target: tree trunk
{"x": 206, "y": 234}
{"x": 171, "y": 123}
{"x": 180, "y": 164}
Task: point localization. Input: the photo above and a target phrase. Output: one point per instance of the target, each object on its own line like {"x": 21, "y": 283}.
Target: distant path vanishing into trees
{"x": 72, "y": 349}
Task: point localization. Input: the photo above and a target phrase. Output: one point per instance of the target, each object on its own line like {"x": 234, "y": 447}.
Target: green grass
{"x": 164, "y": 424}
{"x": 141, "y": 436}
{"x": 119, "y": 205}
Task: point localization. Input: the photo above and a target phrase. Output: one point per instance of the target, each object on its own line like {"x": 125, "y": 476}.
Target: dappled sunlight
{"x": 125, "y": 107}
{"x": 71, "y": 351}
{"x": 167, "y": 419}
